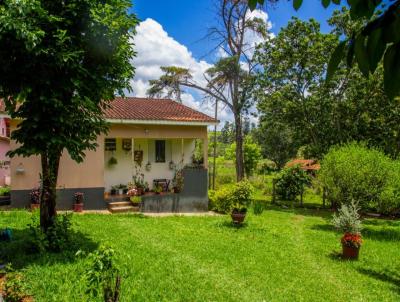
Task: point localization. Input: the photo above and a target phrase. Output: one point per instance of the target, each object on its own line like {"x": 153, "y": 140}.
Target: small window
{"x": 110, "y": 144}
{"x": 160, "y": 151}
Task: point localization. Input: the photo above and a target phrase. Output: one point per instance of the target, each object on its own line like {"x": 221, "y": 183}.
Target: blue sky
{"x": 171, "y": 33}
{"x": 187, "y": 21}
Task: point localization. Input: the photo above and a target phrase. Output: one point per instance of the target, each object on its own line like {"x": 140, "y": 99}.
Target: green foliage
{"x": 367, "y": 176}
{"x": 102, "y": 275}
{"x": 56, "y": 239}
{"x": 258, "y": 207}
{"x": 277, "y": 142}
{"x": 348, "y": 219}
{"x": 314, "y": 114}
{"x": 4, "y": 191}
{"x": 14, "y": 287}
{"x": 61, "y": 62}
{"x": 379, "y": 32}
{"x": 291, "y": 183}
{"x": 237, "y": 196}
{"x": 252, "y": 155}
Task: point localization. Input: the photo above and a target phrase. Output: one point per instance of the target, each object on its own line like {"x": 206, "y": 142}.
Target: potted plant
{"x": 113, "y": 190}
{"x": 121, "y": 189}
{"x": 78, "y": 205}
{"x": 348, "y": 222}
{"x": 158, "y": 189}
{"x": 112, "y": 161}
{"x": 139, "y": 183}
{"x": 148, "y": 166}
{"x": 35, "y": 198}
{"x": 171, "y": 165}
{"x": 240, "y": 199}
{"x": 178, "y": 181}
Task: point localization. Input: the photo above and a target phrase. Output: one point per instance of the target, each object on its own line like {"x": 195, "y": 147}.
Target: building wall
{"x": 4, "y": 148}
{"x": 90, "y": 174}
{"x": 123, "y": 171}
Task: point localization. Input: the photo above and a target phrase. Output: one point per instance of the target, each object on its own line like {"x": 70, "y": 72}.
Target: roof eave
{"x": 161, "y": 122}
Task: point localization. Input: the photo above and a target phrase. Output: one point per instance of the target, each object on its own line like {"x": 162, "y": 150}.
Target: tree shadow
{"x": 231, "y": 225}
{"x": 381, "y": 234}
{"x": 389, "y": 276}
{"x": 19, "y": 253}
{"x": 324, "y": 213}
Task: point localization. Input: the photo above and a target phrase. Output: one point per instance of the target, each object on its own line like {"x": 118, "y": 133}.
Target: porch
{"x": 130, "y": 162}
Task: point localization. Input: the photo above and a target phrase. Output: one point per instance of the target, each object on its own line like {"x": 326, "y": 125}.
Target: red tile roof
{"x": 305, "y": 164}
{"x": 146, "y": 109}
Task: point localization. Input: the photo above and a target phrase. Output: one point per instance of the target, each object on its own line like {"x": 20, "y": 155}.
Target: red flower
{"x": 352, "y": 239}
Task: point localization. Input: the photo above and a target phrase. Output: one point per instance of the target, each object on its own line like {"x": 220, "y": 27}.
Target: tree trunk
{"x": 239, "y": 147}
{"x": 50, "y": 163}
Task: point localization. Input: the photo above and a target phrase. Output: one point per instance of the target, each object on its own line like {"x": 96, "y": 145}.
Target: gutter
{"x": 159, "y": 122}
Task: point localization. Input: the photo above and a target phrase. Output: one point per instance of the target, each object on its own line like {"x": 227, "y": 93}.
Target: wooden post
{"x": 133, "y": 156}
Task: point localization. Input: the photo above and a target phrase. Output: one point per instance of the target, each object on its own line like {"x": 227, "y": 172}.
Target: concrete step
{"x": 117, "y": 198}
{"x": 124, "y": 209}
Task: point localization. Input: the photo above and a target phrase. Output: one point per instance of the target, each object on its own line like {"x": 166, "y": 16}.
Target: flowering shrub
{"x": 133, "y": 192}
{"x": 78, "y": 197}
{"x": 35, "y": 196}
{"x": 352, "y": 240}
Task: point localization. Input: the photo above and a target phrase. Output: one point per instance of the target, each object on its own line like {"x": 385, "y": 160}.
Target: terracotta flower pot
{"x": 350, "y": 252}
{"x": 238, "y": 218}
{"x": 78, "y": 207}
{"x": 35, "y": 206}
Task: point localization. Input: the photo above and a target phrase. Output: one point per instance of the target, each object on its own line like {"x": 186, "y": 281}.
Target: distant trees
{"x": 292, "y": 92}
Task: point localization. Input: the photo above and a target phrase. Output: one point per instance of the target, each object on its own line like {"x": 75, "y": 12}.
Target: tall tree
{"x": 60, "y": 64}
{"x": 294, "y": 92}
{"x": 377, "y": 40}
{"x": 230, "y": 79}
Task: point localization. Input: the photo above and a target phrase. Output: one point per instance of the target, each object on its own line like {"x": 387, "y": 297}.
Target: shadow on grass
{"x": 381, "y": 234}
{"x": 389, "y": 276}
{"x": 231, "y": 225}
{"x": 17, "y": 251}
{"x": 324, "y": 213}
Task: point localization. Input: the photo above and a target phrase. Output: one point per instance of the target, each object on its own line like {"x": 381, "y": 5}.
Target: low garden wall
{"x": 193, "y": 198}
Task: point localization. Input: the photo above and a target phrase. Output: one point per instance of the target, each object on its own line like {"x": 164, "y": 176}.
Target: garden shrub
{"x": 231, "y": 196}
{"x": 258, "y": 207}
{"x": 367, "y": 176}
{"x": 56, "y": 239}
{"x": 291, "y": 183}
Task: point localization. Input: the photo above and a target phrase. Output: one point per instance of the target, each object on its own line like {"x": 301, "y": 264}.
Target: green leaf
{"x": 375, "y": 48}
{"x": 326, "y": 3}
{"x": 337, "y": 2}
{"x": 297, "y": 4}
{"x": 253, "y": 4}
{"x": 335, "y": 59}
{"x": 361, "y": 54}
{"x": 391, "y": 64}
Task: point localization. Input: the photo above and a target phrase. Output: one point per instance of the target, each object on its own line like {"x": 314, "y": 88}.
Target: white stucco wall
{"x": 122, "y": 172}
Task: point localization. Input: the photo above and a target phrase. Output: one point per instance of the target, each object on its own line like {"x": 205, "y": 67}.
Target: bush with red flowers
{"x": 352, "y": 240}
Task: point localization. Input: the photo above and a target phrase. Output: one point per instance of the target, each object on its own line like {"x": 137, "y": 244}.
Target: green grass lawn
{"x": 282, "y": 255}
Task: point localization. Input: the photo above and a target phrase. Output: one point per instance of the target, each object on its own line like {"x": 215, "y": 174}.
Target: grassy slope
{"x": 280, "y": 256}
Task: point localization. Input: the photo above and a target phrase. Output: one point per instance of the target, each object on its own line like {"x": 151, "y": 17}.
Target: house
{"x": 147, "y": 138}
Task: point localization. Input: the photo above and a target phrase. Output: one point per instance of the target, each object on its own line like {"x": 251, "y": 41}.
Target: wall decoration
{"x": 127, "y": 144}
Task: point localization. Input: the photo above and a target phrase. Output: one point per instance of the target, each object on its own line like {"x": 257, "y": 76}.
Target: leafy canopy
{"x": 60, "y": 62}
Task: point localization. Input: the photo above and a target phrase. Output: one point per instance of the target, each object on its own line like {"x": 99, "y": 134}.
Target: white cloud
{"x": 155, "y": 48}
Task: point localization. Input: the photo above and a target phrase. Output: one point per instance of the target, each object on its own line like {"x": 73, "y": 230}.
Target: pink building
{"x": 4, "y": 148}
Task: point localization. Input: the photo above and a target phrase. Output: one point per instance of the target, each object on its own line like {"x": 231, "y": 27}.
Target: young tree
{"x": 60, "y": 64}
{"x": 230, "y": 79}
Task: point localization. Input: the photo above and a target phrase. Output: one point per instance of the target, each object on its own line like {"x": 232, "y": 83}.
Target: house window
{"x": 160, "y": 151}
{"x": 110, "y": 144}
